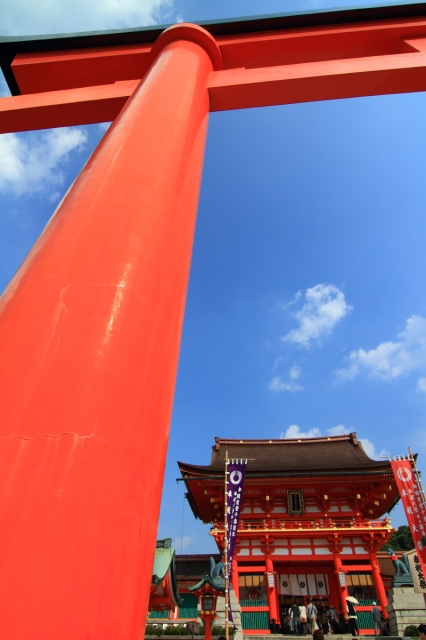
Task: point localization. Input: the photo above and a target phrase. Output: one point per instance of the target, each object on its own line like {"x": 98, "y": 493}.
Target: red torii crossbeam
{"x": 90, "y": 325}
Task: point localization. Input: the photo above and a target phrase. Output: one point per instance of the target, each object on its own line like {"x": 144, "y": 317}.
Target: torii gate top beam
{"x": 84, "y": 78}
{"x": 10, "y": 47}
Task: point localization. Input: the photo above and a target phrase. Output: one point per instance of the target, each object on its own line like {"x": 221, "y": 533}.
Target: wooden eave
{"x": 205, "y": 489}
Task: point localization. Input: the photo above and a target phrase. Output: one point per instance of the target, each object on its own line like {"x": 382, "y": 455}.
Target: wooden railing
{"x": 324, "y": 524}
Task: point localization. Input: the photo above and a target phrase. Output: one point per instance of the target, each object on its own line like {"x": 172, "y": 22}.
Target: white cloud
{"x": 370, "y": 449}
{"x": 325, "y": 306}
{"x": 293, "y": 432}
{"x": 421, "y": 385}
{"x": 295, "y": 372}
{"x": 278, "y": 384}
{"x": 34, "y": 162}
{"x": 179, "y": 544}
{"x": 64, "y": 16}
{"x": 390, "y": 360}
{"x": 278, "y": 360}
{"x": 337, "y": 431}
{"x": 285, "y": 305}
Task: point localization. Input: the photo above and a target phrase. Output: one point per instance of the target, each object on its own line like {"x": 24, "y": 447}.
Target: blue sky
{"x": 306, "y": 309}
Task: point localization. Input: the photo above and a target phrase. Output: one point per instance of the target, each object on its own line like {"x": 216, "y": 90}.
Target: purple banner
{"x": 235, "y": 472}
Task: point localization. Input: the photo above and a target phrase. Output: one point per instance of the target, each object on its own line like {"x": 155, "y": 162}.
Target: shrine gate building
{"x": 311, "y": 523}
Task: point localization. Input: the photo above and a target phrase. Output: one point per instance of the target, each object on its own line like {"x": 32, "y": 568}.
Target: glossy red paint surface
{"x": 59, "y": 70}
{"x": 89, "y": 340}
{"x": 343, "y": 591}
{"x": 86, "y": 105}
{"x": 234, "y": 579}
{"x": 319, "y": 80}
{"x": 257, "y": 70}
{"x": 378, "y": 584}
{"x": 90, "y": 326}
{"x": 271, "y": 591}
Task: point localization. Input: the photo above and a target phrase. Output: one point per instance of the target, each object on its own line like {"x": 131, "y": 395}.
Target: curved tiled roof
{"x": 334, "y": 453}
{"x": 286, "y": 463}
{"x": 164, "y": 561}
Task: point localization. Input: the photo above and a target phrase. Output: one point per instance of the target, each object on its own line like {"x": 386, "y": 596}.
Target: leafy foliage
{"x": 169, "y": 630}
{"x": 220, "y": 631}
{"x": 181, "y": 630}
{"x": 178, "y": 630}
{"x": 401, "y": 540}
{"x": 153, "y": 630}
{"x": 411, "y": 631}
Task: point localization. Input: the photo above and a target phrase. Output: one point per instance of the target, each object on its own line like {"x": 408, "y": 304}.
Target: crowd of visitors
{"x": 301, "y": 620}
{"x": 318, "y": 634}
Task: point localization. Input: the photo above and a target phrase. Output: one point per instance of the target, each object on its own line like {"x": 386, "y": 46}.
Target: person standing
{"x": 303, "y": 619}
{"x": 384, "y": 627}
{"x": 323, "y": 618}
{"x": 295, "y": 614}
{"x": 422, "y": 631}
{"x": 273, "y": 627}
{"x": 377, "y": 616}
{"x": 333, "y": 615}
{"x": 288, "y": 622}
{"x": 353, "y": 618}
{"x": 312, "y": 616}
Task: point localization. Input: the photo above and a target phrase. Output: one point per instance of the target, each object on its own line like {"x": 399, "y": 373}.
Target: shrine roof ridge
{"x": 10, "y": 46}
{"x": 337, "y": 454}
{"x": 286, "y": 441}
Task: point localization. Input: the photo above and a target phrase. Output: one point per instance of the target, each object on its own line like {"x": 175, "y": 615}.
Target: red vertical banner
{"x": 414, "y": 505}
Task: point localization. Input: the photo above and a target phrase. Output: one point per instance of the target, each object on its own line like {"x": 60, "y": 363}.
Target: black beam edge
{"x": 291, "y": 474}
{"x": 10, "y": 46}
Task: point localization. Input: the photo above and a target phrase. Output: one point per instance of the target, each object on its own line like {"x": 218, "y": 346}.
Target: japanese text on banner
{"x": 413, "y": 503}
{"x": 236, "y": 472}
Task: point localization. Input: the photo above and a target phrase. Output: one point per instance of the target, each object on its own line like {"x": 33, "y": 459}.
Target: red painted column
{"x": 378, "y": 584}
{"x": 208, "y": 621}
{"x": 235, "y": 579}
{"x": 271, "y": 591}
{"x": 335, "y": 599}
{"x": 89, "y": 341}
{"x": 343, "y": 591}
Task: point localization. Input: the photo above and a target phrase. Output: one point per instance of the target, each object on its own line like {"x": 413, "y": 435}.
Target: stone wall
{"x": 405, "y": 607}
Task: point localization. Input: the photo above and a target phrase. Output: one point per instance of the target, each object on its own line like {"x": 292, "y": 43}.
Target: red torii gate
{"x": 90, "y": 325}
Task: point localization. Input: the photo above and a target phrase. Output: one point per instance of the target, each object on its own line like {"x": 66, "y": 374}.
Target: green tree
{"x": 400, "y": 540}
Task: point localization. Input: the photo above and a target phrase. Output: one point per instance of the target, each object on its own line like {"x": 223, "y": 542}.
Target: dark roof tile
{"x": 334, "y": 453}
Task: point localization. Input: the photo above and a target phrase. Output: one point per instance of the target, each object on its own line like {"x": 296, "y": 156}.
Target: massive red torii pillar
{"x": 90, "y": 325}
